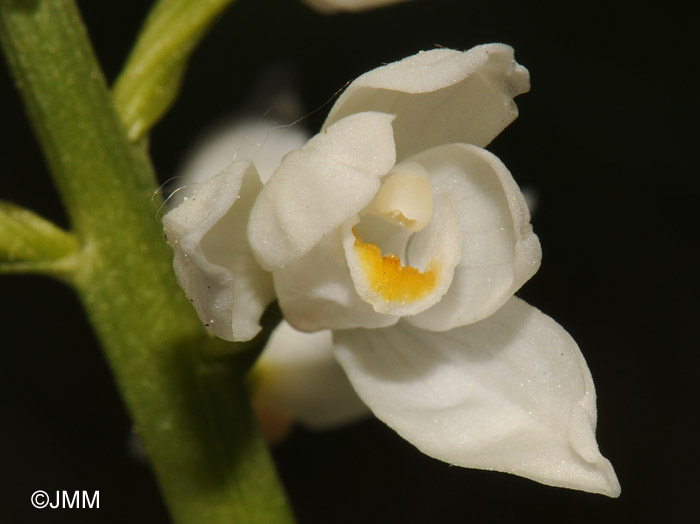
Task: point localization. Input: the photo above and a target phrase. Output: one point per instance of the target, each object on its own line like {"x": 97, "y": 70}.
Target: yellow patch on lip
{"x": 389, "y": 279}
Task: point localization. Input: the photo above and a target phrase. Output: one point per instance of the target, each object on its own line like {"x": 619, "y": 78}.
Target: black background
{"x": 604, "y": 138}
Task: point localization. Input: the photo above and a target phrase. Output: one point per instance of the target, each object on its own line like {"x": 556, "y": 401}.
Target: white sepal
{"x": 213, "y": 261}
{"x": 511, "y": 393}
{"x": 440, "y": 96}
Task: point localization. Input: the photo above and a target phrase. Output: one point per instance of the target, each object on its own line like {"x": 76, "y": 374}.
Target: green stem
{"x": 195, "y": 423}
{"x": 153, "y": 73}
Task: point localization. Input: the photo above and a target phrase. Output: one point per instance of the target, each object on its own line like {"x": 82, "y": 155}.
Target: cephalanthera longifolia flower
{"x": 398, "y": 241}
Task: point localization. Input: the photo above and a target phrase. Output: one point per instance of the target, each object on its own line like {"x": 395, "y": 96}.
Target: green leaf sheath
{"x": 192, "y": 416}
{"x": 30, "y": 243}
{"x": 153, "y": 73}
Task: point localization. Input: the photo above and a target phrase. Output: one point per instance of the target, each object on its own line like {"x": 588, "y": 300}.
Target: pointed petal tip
{"x": 582, "y": 429}
{"x": 603, "y": 480}
{"x": 592, "y": 477}
{"x": 612, "y": 488}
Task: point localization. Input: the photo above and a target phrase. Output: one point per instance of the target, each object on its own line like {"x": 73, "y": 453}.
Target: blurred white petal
{"x": 334, "y": 6}
{"x": 298, "y": 377}
{"x": 261, "y": 140}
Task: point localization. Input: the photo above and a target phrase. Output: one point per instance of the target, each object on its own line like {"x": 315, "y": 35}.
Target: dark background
{"x": 605, "y": 140}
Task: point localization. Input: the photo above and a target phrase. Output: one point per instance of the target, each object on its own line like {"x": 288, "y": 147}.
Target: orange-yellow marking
{"x": 389, "y": 279}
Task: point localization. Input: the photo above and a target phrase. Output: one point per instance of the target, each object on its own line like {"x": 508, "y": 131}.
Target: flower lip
{"x": 404, "y": 200}
{"x": 404, "y": 286}
{"x": 391, "y": 280}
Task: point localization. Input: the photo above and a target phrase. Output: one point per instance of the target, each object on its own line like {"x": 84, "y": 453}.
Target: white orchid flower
{"x": 334, "y": 6}
{"x": 395, "y": 230}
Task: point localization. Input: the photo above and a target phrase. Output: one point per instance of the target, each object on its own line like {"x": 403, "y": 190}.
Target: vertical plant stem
{"x": 192, "y": 416}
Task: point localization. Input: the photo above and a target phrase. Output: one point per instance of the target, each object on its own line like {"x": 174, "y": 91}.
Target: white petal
{"x": 213, "y": 261}
{"x": 511, "y": 393}
{"x": 441, "y": 96}
{"x": 298, "y": 377}
{"x": 316, "y": 291}
{"x": 319, "y": 186}
{"x": 334, "y": 6}
{"x": 499, "y": 251}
